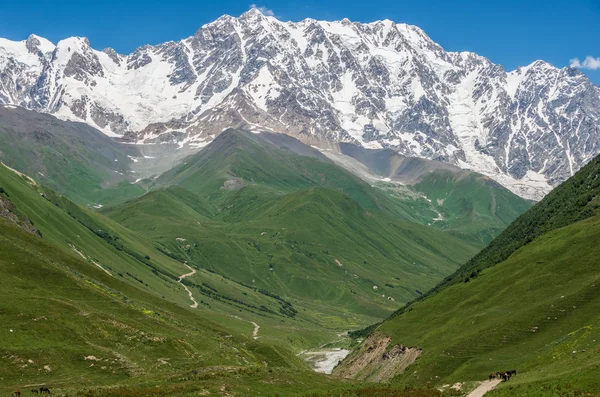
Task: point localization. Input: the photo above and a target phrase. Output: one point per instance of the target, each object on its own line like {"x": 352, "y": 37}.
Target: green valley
{"x": 258, "y": 245}
{"x": 530, "y": 301}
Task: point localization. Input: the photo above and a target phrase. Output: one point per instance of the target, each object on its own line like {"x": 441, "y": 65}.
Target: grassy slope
{"x": 530, "y": 312}
{"x": 79, "y": 331}
{"x": 282, "y": 233}
{"x": 90, "y": 312}
{"x": 72, "y": 158}
{"x": 473, "y": 206}
{"x": 123, "y": 252}
{"x": 527, "y": 301}
{"x": 290, "y": 246}
{"x": 258, "y": 163}
{"x": 61, "y": 310}
{"x": 43, "y": 207}
{"x": 574, "y": 200}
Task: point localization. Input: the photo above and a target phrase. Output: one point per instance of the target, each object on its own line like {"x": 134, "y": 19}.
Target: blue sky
{"x": 508, "y": 32}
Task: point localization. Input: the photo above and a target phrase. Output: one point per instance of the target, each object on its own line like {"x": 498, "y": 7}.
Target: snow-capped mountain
{"x": 377, "y": 84}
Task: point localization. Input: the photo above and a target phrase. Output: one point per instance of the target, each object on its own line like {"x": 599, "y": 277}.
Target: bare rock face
{"x": 379, "y": 85}
{"x": 10, "y": 213}
{"x": 373, "y": 361}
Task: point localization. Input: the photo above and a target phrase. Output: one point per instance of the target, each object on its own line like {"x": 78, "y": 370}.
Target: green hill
{"x": 82, "y": 312}
{"x": 72, "y": 158}
{"x": 464, "y": 203}
{"x": 529, "y": 301}
{"x": 315, "y": 245}
{"x": 576, "y": 199}
{"x": 237, "y": 159}
{"x": 276, "y": 238}
{"x": 470, "y": 205}
{"x": 68, "y": 323}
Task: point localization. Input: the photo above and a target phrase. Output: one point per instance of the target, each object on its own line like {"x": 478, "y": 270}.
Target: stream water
{"x": 324, "y": 360}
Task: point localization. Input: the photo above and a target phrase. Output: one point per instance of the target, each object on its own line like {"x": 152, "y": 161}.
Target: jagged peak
{"x": 39, "y": 43}
{"x": 74, "y": 41}
{"x": 225, "y": 18}
{"x": 253, "y": 11}
{"x": 111, "y": 51}
{"x": 540, "y": 64}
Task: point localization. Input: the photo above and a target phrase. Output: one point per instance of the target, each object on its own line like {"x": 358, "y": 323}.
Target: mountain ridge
{"x": 378, "y": 84}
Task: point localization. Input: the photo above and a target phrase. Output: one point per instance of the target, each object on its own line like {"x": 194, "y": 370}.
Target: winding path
{"x": 255, "y": 332}
{"x": 193, "y": 271}
{"x": 484, "y": 387}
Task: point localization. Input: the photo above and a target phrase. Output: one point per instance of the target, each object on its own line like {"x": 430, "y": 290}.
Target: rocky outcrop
{"x": 374, "y": 362}
{"x": 9, "y": 212}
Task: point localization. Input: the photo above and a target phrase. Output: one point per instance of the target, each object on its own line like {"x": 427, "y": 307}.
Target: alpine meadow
{"x": 302, "y": 207}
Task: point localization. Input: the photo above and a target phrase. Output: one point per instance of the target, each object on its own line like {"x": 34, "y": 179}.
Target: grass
{"x": 298, "y": 249}
{"x": 316, "y": 246}
{"x": 576, "y": 199}
{"x": 473, "y": 206}
{"x": 537, "y": 312}
{"x": 57, "y": 310}
{"x": 73, "y": 328}
{"x": 71, "y": 158}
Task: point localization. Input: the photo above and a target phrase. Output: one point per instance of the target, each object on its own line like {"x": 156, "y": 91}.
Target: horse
{"x": 502, "y": 375}
{"x": 44, "y": 389}
{"x": 36, "y": 391}
{"x": 512, "y": 372}
{"x": 492, "y": 376}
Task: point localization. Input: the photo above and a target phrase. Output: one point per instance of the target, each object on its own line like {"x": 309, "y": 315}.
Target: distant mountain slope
{"x": 389, "y": 164}
{"x": 470, "y": 204}
{"x": 465, "y": 203}
{"x": 575, "y": 200}
{"x": 72, "y": 158}
{"x": 381, "y": 84}
{"x": 276, "y": 163}
{"x": 273, "y": 164}
{"x": 529, "y": 301}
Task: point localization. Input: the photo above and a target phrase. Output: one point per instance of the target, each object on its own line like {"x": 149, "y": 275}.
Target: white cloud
{"x": 264, "y": 10}
{"x": 589, "y": 62}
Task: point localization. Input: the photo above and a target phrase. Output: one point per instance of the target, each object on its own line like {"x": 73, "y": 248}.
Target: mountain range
{"x": 378, "y": 85}
{"x": 233, "y": 212}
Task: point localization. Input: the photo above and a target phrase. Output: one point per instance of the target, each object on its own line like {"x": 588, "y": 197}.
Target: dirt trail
{"x": 484, "y": 387}
{"x": 255, "y": 332}
{"x": 193, "y": 271}
{"x": 256, "y": 326}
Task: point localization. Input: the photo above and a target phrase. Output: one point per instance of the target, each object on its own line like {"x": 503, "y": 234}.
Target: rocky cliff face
{"x": 378, "y": 84}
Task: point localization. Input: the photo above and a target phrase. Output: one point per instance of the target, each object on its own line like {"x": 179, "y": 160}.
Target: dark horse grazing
{"x": 44, "y": 389}
{"x": 36, "y": 391}
{"x": 492, "y": 376}
{"x": 512, "y": 372}
{"x": 502, "y": 375}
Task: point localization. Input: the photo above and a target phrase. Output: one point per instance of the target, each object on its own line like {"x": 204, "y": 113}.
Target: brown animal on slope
{"x": 492, "y": 376}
